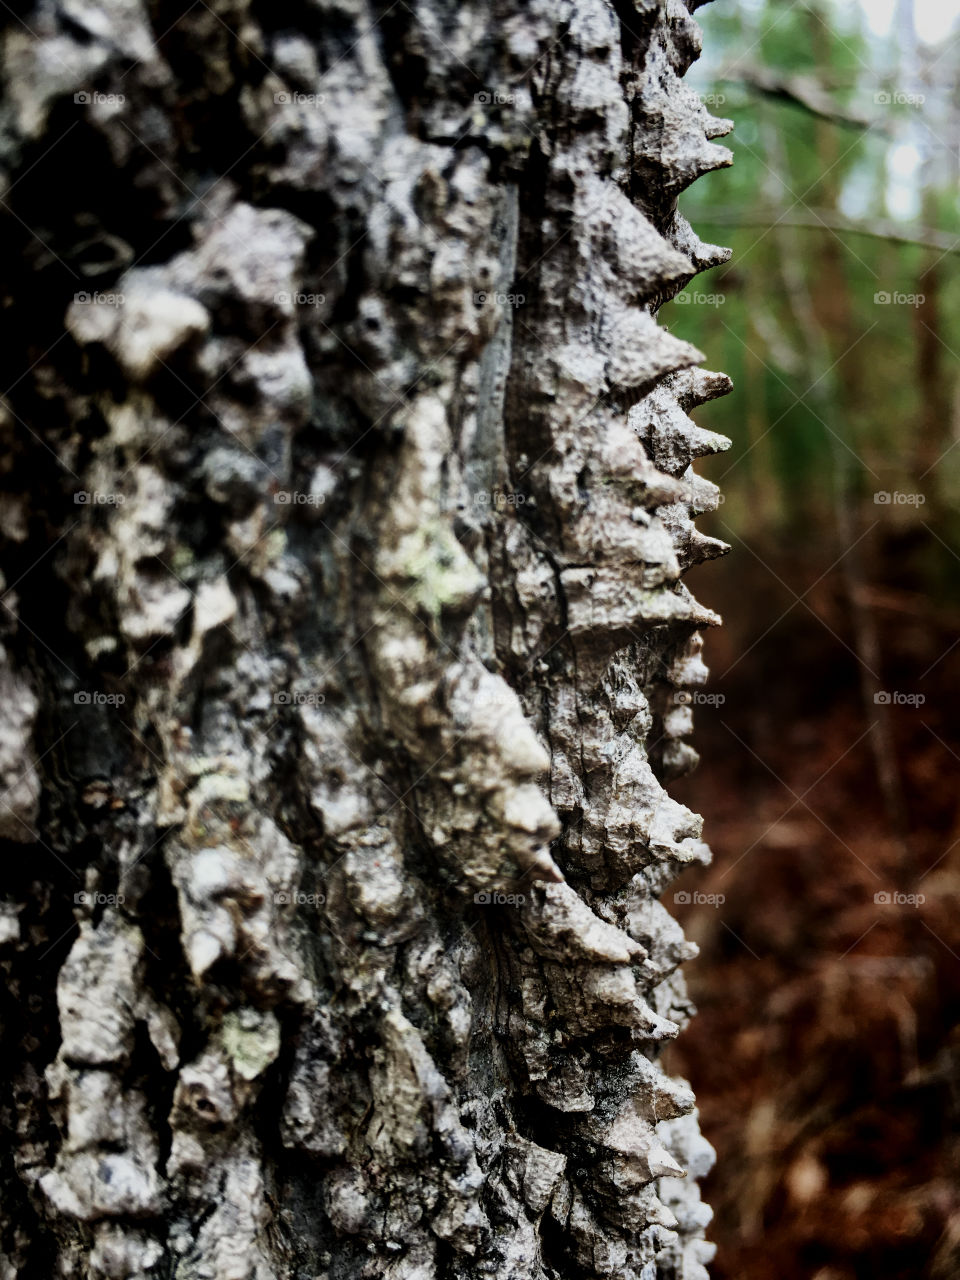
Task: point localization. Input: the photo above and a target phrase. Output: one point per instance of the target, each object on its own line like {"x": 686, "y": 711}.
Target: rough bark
{"x": 348, "y": 489}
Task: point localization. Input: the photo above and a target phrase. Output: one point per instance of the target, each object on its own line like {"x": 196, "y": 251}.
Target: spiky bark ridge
{"x": 335, "y": 722}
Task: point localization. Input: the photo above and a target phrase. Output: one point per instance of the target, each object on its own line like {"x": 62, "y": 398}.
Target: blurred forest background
{"x": 827, "y": 1052}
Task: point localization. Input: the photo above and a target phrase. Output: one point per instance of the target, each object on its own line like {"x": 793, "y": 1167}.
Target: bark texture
{"x": 348, "y": 490}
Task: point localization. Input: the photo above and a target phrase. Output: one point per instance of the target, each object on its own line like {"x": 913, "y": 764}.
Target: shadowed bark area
{"x": 347, "y": 493}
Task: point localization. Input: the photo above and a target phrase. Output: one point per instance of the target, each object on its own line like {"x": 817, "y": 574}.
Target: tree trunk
{"x": 347, "y": 494}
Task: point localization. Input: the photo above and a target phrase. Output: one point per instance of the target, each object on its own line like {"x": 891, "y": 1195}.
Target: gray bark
{"x": 347, "y": 492}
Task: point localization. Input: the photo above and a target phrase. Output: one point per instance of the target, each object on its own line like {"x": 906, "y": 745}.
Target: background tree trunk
{"x": 347, "y": 494}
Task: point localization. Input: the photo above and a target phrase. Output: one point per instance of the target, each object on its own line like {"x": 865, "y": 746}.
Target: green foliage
{"x": 836, "y": 389}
